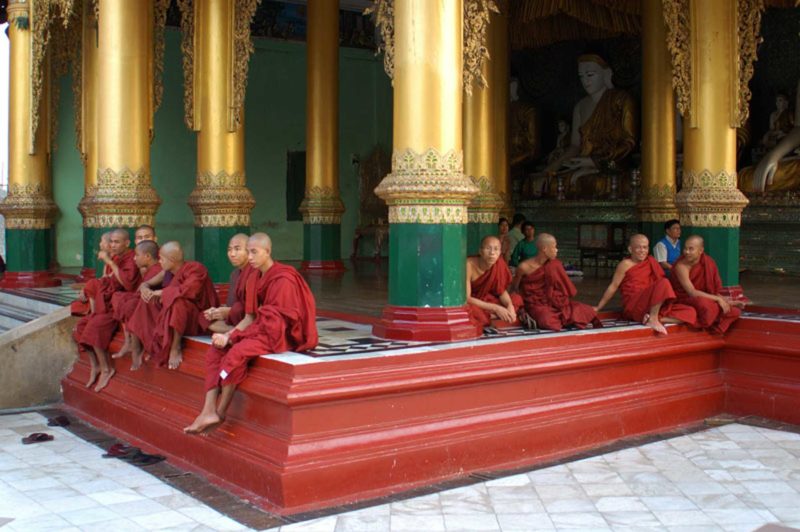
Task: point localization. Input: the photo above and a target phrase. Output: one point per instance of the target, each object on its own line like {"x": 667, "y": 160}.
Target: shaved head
{"x": 148, "y": 247}
{"x": 173, "y": 251}
{"x": 544, "y": 239}
{"x": 635, "y": 238}
{"x": 122, "y": 234}
{"x": 259, "y": 252}
{"x": 239, "y": 238}
{"x": 697, "y": 239}
{"x": 261, "y": 240}
{"x": 105, "y": 237}
{"x": 485, "y": 240}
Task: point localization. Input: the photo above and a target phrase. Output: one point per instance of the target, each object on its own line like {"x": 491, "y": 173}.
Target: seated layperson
{"x": 647, "y": 296}
{"x": 546, "y": 290}
{"x": 224, "y": 318}
{"x": 668, "y": 249}
{"x": 94, "y": 332}
{"x": 525, "y": 248}
{"x": 164, "y": 316}
{"x": 488, "y": 279}
{"x": 125, "y": 303}
{"x": 280, "y": 315}
{"x": 696, "y": 281}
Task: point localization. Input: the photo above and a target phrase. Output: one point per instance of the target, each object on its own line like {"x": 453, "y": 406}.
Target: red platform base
{"x": 418, "y": 324}
{"x": 734, "y": 293}
{"x": 323, "y": 266}
{"x": 85, "y": 275}
{"x": 39, "y": 279}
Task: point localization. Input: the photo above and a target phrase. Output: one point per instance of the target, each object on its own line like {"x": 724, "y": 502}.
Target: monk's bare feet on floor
{"x": 203, "y": 423}
{"x": 94, "y": 372}
{"x": 656, "y": 325}
{"x": 105, "y": 376}
{"x": 175, "y": 358}
{"x": 126, "y": 348}
{"x": 136, "y": 361}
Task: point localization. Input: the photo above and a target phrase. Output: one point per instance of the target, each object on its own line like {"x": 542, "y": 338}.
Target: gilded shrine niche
{"x": 373, "y": 214}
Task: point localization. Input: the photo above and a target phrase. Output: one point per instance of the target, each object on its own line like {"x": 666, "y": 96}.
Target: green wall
{"x": 275, "y": 124}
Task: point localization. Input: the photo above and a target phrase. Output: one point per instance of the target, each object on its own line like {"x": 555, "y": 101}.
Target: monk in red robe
{"x": 546, "y": 290}
{"x": 83, "y": 305}
{"x": 125, "y": 303}
{"x": 144, "y": 232}
{"x": 696, "y": 281}
{"x": 94, "y": 332}
{"x": 647, "y": 296}
{"x": 488, "y": 279}
{"x": 225, "y": 318}
{"x": 280, "y": 315}
{"x": 182, "y": 302}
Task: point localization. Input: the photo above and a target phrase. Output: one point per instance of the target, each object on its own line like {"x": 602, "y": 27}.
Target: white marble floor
{"x": 731, "y": 478}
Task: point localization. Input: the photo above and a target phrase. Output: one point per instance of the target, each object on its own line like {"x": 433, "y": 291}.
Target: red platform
{"x": 306, "y": 433}
{"x": 38, "y": 279}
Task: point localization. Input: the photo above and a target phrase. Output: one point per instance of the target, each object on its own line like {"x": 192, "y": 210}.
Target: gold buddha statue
{"x": 603, "y": 134}
{"x": 523, "y": 145}
{"x": 779, "y": 169}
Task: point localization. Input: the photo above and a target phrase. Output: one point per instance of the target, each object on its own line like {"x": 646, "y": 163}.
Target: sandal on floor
{"x": 120, "y": 450}
{"x": 37, "y": 437}
{"x": 60, "y": 421}
{"x": 144, "y": 459}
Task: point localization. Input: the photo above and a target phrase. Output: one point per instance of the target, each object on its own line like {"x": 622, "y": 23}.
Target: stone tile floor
{"x": 731, "y": 478}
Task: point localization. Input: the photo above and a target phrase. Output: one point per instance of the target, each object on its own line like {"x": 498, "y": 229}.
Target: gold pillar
{"x": 482, "y": 131}
{"x": 657, "y": 198}
{"x": 29, "y": 204}
{"x": 709, "y": 197}
{"x": 220, "y": 199}
{"x": 498, "y": 43}
{"x": 124, "y": 197}
{"x": 88, "y": 116}
{"x": 322, "y": 203}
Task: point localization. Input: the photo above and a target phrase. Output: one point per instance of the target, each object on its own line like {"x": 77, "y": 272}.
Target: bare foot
{"x": 657, "y": 326}
{"x": 136, "y": 363}
{"x": 645, "y": 318}
{"x": 203, "y": 423}
{"x": 105, "y": 376}
{"x": 94, "y": 372}
{"x": 126, "y": 348}
{"x": 175, "y": 358}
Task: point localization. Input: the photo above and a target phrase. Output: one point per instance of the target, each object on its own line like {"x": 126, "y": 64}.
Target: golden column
{"x": 28, "y": 209}
{"x": 88, "y": 139}
{"x": 710, "y": 203}
{"x": 656, "y": 202}
{"x": 124, "y": 196}
{"x": 322, "y": 206}
{"x": 486, "y": 137}
{"x": 427, "y": 192}
{"x": 220, "y": 201}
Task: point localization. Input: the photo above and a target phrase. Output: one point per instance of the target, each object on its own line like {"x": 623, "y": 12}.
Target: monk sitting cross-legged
{"x": 224, "y": 318}
{"x": 488, "y": 279}
{"x": 546, "y": 290}
{"x": 125, "y": 303}
{"x": 182, "y": 302}
{"x": 94, "y": 332}
{"x": 696, "y": 281}
{"x": 647, "y": 296}
{"x": 280, "y": 315}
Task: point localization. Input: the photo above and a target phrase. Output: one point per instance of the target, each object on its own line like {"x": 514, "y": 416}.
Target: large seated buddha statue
{"x": 603, "y": 135}
{"x": 523, "y": 125}
{"x": 779, "y": 170}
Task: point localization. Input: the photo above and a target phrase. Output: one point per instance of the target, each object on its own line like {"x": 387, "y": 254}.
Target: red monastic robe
{"x": 90, "y": 289}
{"x": 236, "y": 294}
{"x": 489, "y": 287}
{"x": 705, "y": 277}
{"x": 124, "y": 303}
{"x": 547, "y": 292}
{"x": 97, "y": 329}
{"x": 182, "y": 304}
{"x": 286, "y": 320}
{"x": 645, "y": 285}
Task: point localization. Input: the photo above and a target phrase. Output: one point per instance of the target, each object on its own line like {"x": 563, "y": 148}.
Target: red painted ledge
{"x": 419, "y": 324}
{"x": 38, "y": 279}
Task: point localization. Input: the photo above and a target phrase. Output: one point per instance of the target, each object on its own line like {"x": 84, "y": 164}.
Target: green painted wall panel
{"x": 27, "y": 249}
{"x": 321, "y": 242}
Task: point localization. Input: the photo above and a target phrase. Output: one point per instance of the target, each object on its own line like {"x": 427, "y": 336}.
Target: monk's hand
{"x": 211, "y": 313}
{"x": 724, "y": 305}
{"x": 737, "y": 304}
{"x": 504, "y": 314}
{"x": 147, "y": 293}
{"x": 103, "y": 255}
{"x": 220, "y": 340}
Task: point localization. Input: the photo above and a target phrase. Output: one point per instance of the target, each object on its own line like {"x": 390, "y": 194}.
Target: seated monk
{"x": 144, "y": 232}
{"x": 280, "y": 315}
{"x": 546, "y": 290}
{"x": 179, "y": 307}
{"x": 647, "y": 296}
{"x": 224, "y": 318}
{"x": 83, "y": 305}
{"x": 696, "y": 282}
{"x": 124, "y": 303}
{"x": 488, "y": 278}
{"x": 94, "y": 332}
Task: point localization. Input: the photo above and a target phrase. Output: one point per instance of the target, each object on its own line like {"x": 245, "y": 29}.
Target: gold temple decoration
{"x": 322, "y": 205}
{"x": 677, "y": 19}
{"x": 221, "y": 200}
{"x": 123, "y": 198}
{"x": 749, "y": 27}
{"x": 29, "y": 206}
{"x": 711, "y": 200}
{"x": 160, "y": 21}
{"x": 476, "y": 20}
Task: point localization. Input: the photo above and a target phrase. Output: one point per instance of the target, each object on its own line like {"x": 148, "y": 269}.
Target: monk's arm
{"x": 681, "y": 272}
{"x": 505, "y": 299}
{"x": 619, "y": 274}
{"x": 155, "y": 280}
{"x": 524, "y": 269}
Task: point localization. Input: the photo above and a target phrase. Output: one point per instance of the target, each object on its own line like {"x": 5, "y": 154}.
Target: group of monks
{"x": 158, "y": 297}
{"x": 540, "y": 294}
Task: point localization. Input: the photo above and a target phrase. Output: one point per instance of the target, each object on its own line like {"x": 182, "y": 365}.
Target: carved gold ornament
{"x": 677, "y": 18}
{"x": 123, "y": 198}
{"x": 748, "y": 31}
{"x": 221, "y": 200}
{"x": 28, "y": 206}
{"x": 657, "y": 203}
{"x": 477, "y": 14}
{"x": 485, "y": 207}
{"x": 710, "y": 199}
{"x": 322, "y": 205}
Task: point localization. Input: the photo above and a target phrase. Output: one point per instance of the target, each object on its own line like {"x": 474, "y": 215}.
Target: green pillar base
{"x": 322, "y": 247}
{"x": 211, "y": 248}
{"x": 28, "y": 250}
{"x": 722, "y": 244}
{"x": 427, "y": 265}
{"x": 476, "y": 231}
